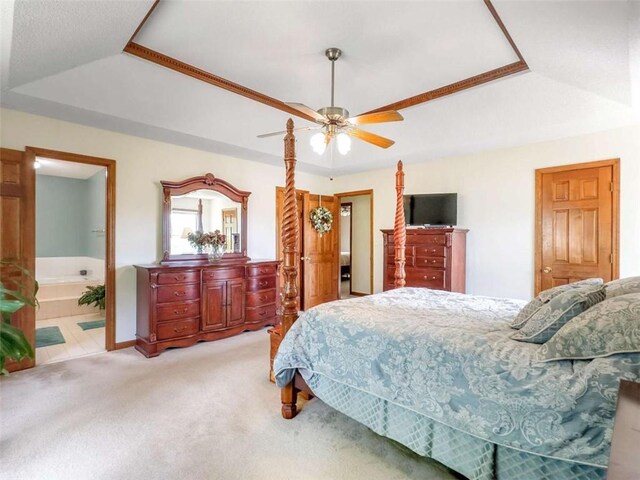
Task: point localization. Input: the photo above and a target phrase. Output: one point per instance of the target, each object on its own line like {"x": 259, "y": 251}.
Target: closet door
{"x": 320, "y": 253}
{"x": 17, "y": 234}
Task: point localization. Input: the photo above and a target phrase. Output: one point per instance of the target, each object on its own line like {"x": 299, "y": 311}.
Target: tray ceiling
{"x": 393, "y": 50}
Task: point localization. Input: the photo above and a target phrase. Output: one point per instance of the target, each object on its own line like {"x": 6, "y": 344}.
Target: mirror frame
{"x": 205, "y": 182}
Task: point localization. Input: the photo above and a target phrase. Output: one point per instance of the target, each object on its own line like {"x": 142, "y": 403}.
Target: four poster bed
{"x": 437, "y": 372}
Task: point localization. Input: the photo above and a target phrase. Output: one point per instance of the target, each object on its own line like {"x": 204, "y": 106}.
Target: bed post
{"x": 399, "y": 231}
{"x": 290, "y": 233}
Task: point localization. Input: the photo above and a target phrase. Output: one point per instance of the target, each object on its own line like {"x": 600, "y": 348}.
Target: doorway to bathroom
{"x": 74, "y": 246}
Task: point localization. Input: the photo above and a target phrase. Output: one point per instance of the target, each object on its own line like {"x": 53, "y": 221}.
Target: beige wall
{"x": 141, "y": 164}
{"x": 360, "y": 242}
{"x": 496, "y": 202}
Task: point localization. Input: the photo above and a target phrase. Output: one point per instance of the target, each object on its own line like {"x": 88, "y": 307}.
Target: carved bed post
{"x": 290, "y": 233}
{"x": 399, "y": 231}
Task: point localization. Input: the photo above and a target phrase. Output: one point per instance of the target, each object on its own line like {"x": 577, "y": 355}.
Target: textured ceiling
{"x": 582, "y": 55}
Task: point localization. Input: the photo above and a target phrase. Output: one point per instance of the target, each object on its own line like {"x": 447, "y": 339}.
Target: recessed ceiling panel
{"x": 392, "y": 50}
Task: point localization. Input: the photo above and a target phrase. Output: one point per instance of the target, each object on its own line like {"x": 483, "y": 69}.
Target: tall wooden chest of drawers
{"x": 183, "y": 303}
{"x": 435, "y": 258}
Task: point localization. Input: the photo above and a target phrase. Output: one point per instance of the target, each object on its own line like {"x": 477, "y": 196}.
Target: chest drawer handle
{"x": 263, "y": 283}
{"x": 179, "y": 329}
{"x": 178, "y": 312}
{"x": 262, "y": 313}
{"x": 179, "y": 293}
{"x": 427, "y": 277}
{"x": 179, "y": 277}
{"x": 262, "y": 298}
{"x": 262, "y": 270}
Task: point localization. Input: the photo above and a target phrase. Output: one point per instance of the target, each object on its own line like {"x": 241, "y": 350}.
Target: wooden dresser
{"x": 436, "y": 258}
{"x": 181, "y": 304}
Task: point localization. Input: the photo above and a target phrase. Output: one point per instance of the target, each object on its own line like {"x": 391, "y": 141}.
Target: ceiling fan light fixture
{"x": 318, "y": 143}
{"x": 344, "y": 143}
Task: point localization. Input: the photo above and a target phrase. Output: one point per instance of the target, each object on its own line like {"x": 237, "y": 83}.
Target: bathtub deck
{"x": 78, "y": 342}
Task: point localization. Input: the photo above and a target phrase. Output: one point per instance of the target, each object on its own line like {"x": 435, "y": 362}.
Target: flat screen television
{"x": 431, "y": 209}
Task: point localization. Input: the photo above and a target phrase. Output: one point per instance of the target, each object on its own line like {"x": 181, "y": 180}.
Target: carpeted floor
{"x": 206, "y": 412}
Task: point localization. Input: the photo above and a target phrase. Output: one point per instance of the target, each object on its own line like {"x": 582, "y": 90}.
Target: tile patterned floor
{"x": 78, "y": 342}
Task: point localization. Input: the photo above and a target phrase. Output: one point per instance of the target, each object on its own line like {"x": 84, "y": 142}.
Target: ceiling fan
{"x": 335, "y": 121}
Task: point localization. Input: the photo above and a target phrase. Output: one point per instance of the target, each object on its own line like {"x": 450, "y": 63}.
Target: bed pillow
{"x": 623, "y": 286}
{"x": 553, "y": 315}
{"x": 546, "y": 296}
{"x": 610, "y": 327}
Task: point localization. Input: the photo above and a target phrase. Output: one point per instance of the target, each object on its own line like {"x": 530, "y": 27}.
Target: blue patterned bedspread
{"x": 449, "y": 357}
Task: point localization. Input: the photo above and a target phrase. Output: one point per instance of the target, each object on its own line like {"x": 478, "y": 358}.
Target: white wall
{"x": 361, "y": 243}
{"x": 141, "y": 164}
{"x": 496, "y": 202}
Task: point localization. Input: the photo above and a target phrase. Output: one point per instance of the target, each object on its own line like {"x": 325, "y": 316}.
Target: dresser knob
{"x": 179, "y": 293}
{"x": 262, "y": 313}
{"x": 427, "y": 277}
{"x": 264, "y": 283}
{"x": 178, "y": 312}
{"x": 179, "y": 329}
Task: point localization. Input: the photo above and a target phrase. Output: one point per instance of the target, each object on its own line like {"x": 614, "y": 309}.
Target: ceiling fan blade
{"x": 273, "y": 134}
{"x": 379, "y": 117}
{"x": 308, "y": 111}
{"x": 376, "y": 140}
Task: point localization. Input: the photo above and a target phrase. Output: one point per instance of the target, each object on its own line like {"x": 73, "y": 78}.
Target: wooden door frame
{"x": 350, "y": 205}
{"x": 353, "y": 194}
{"x": 110, "y": 236}
{"x": 614, "y": 163}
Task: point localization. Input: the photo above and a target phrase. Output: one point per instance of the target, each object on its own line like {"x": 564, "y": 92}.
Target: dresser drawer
{"x": 260, "y": 283}
{"x": 391, "y": 251}
{"x": 408, "y": 260}
{"x": 426, "y": 277}
{"x": 259, "y": 270}
{"x": 181, "y": 328}
{"x": 433, "y": 262}
{"x": 222, "y": 273}
{"x": 422, "y": 239}
{"x": 261, "y": 313}
{"x": 431, "y": 251}
{"x": 178, "y": 277}
{"x": 178, "y": 310}
{"x": 178, "y": 293}
{"x": 258, "y": 299}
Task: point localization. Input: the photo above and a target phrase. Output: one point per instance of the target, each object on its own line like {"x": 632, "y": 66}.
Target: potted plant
{"x": 214, "y": 241}
{"x": 94, "y": 296}
{"x": 13, "y": 343}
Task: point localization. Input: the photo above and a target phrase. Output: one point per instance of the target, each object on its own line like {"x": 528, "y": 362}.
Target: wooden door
{"x": 235, "y": 302}
{"x": 214, "y": 310}
{"x": 320, "y": 253}
{"x": 577, "y": 234}
{"x": 17, "y": 234}
{"x": 279, "y": 208}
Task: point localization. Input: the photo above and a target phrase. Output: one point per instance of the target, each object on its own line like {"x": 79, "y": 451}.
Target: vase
{"x": 215, "y": 253}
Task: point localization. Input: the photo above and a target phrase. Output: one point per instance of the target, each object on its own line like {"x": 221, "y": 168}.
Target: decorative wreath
{"x": 321, "y": 219}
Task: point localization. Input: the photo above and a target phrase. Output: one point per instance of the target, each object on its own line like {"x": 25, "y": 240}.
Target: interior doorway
{"x": 346, "y": 232}
{"x": 74, "y": 254}
{"x": 356, "y": 243}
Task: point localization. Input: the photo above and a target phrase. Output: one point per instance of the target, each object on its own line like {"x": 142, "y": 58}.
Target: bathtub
{"x": 61, "y": 285}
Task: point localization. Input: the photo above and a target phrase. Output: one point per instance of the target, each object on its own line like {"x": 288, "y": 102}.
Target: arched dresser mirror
{"x": 203, "y": 204}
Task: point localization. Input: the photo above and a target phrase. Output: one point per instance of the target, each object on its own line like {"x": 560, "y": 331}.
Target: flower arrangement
{"x": 206, "y": 239}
